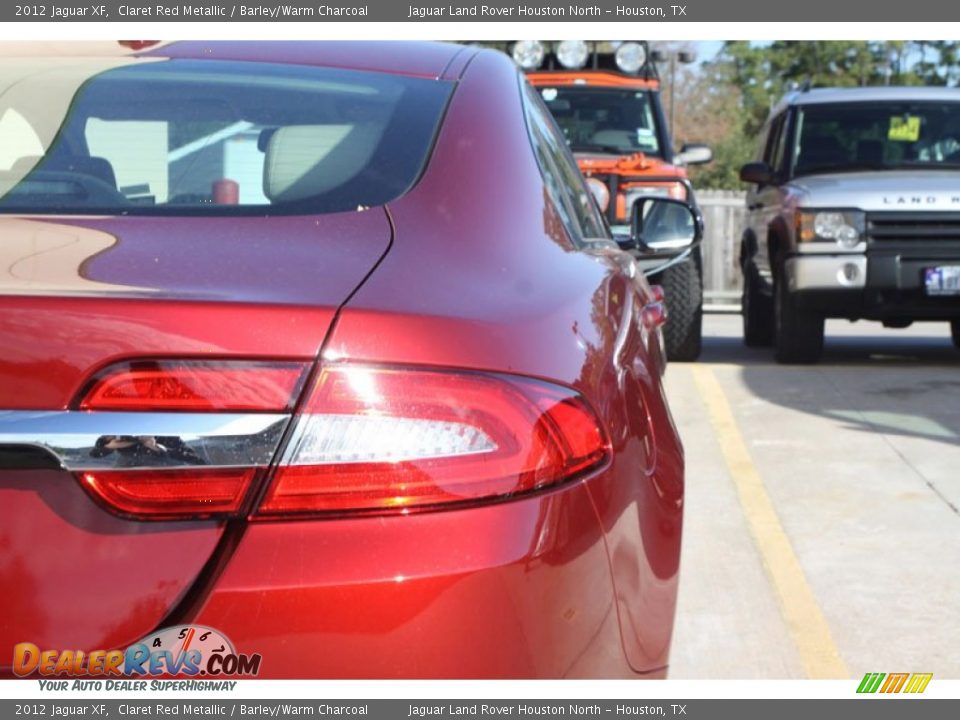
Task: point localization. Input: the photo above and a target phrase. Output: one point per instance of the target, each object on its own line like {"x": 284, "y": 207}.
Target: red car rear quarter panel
{"x": 480, "y": 260}
{"x": 467, "y": 593}
{"x": 482, "y": 276}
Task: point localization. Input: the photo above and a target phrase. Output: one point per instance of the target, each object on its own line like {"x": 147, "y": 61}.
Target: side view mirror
{"x": 758, "y": 173}
{"x": 663, "y": 225}
{"x": 694, "y": 154}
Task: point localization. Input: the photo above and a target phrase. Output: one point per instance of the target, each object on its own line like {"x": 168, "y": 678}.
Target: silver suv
{"x": 854, "y": 212}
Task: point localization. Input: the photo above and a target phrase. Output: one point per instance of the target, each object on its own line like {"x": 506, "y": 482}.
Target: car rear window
{"x": 188, "y": 137}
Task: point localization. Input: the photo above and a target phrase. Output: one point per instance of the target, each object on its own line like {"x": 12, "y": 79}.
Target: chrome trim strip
{"x": 108, "y": 440}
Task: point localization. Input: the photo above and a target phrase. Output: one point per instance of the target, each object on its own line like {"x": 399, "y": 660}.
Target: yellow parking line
{"x": 803, "y": 616}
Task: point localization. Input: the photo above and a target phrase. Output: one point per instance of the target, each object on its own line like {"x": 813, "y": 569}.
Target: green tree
{"x": 757, "y": 76}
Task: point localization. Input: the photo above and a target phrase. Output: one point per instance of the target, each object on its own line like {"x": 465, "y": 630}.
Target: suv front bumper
{"x": 886, "y": 283}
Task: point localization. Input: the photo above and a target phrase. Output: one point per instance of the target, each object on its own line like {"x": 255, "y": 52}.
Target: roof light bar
{"x": 528, "y": 54}
{"x": 572, "y": 54}
{"x": 630, "y": 57}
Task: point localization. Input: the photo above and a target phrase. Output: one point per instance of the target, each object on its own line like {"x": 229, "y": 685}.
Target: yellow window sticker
{"x": 904, "y": 128}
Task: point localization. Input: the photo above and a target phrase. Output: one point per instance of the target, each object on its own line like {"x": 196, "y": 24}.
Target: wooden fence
{"x": 724, "y": 215}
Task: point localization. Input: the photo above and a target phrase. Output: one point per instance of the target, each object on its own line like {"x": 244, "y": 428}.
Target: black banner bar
{"x": 309, "y": 11}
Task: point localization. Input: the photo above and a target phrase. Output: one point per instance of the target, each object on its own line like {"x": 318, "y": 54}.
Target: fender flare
{"x": 777, "y": 244}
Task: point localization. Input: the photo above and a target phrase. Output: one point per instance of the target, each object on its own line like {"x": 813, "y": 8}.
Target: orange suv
{"x": 605, "y": 96}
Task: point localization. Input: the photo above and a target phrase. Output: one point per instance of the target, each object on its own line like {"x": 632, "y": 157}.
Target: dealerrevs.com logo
{"x": 179, "y": 651}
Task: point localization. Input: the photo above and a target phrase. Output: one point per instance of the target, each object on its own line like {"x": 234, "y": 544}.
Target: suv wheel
{"x": 798, "y": 333}
{"x": 955, "y": 332}
{"x": 683, "y": 291}
{"x": 757, "y": 310}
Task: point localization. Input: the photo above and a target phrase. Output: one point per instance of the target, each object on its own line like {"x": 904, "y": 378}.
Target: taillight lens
{"x": 169, "y": 465}
{"x": 366, "y": 439}
{"x": 196, "y": 386}
{"x": 399, "y": 439}
{"x": 163, "y": 494}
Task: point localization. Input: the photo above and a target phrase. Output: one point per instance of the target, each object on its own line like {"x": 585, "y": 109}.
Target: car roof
{"x": 417, "y": 59}
{"x": 824, "y": 96}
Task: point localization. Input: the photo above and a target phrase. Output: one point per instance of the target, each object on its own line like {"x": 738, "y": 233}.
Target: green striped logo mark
{"x": 871, "y": 682}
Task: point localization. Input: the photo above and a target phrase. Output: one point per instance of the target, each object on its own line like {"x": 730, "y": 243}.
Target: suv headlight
{"x": 844, "y": 227}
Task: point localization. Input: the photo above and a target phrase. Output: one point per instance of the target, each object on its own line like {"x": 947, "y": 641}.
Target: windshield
{"x": 877, "y": 136}
{"x": 187, "y": 137}
{"x": 611, "y": 120}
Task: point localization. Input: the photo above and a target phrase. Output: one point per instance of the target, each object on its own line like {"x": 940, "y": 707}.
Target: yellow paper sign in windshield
{"x": 905, "y": 128}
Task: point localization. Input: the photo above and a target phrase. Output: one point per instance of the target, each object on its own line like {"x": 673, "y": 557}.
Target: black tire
{"x": 798, "y": 333}
{"x": 756, "y": 309}
{"x": 955, "y": 333}
{"x": 683, "y": 293}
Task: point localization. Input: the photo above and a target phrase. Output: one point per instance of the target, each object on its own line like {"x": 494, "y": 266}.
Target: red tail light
{"x": 376, "y": 439}
{"x": 368, "y": 439}
{"x": 160, "y": 494}
{"x": 191, "y": 438}
{"x": 196, "y": 386}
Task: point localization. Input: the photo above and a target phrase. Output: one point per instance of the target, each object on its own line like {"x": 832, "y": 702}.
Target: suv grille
{"x": 909, "y": 226}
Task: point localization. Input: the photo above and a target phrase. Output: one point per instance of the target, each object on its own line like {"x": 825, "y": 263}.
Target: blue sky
{"x": 708, "y": 50}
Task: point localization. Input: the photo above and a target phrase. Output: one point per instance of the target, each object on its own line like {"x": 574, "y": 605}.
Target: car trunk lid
{"x": 81, "y": 294}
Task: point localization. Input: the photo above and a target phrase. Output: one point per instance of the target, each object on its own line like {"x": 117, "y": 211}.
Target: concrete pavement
{"x": 822, "y": 531}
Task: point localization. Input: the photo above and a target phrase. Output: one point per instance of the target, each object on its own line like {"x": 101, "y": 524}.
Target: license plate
{"x": 943, "y": 280}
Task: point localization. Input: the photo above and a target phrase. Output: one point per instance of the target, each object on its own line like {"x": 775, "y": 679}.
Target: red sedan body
{"x": 470, "y": 275}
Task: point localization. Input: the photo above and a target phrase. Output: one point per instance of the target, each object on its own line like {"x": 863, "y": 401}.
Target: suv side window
{"x": 560, "y": 172}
